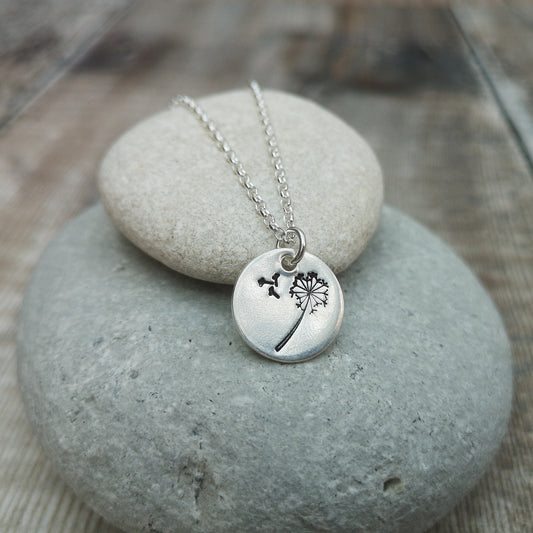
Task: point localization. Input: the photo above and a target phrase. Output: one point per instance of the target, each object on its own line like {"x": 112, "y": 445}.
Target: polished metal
{"x": 281, "y": 234}
{"x": 288, "y": 315}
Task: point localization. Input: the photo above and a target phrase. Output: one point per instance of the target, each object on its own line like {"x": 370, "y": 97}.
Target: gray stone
{"x": 170, "y": 191}
{"x": 159, "y": 416}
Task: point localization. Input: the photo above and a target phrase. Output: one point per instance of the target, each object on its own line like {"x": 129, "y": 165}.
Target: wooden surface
{"x": 443, "y": 95}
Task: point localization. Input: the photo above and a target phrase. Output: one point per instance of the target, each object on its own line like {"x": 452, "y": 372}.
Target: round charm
{"x": 288, "y": 315}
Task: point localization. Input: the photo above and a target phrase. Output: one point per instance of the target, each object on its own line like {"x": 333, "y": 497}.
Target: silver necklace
{"x": 287, "y": 304}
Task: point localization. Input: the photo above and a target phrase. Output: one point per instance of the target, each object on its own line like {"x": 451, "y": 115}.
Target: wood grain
{"x": 500, "y": 39}
{"x": 410, "y": 80}
{"x": 40, "y": 40}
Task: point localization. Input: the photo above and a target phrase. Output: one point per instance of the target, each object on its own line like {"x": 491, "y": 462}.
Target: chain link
{"x": 281, "y": 234}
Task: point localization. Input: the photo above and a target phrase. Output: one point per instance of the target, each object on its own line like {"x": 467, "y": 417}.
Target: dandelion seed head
{"x": 310, "y": 291}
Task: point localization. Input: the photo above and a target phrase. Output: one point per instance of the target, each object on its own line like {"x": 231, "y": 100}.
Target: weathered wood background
{"x": 444, "y": 96}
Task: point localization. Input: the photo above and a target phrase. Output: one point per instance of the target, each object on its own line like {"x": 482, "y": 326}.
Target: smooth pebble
{"x": 170, "y": 190}
{"x": 156, "y": 412}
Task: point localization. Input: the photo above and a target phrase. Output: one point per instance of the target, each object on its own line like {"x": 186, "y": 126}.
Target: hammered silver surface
{"x": 288, "y": 316}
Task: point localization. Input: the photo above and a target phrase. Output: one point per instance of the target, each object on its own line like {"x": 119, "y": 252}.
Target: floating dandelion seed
{"x": 310, "y": 292}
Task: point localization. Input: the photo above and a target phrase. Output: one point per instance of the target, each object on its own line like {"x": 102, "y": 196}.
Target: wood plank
{"x": 404, "y": 78}
{"x": 39, "y": 40}
{"x": 500, "y": 38}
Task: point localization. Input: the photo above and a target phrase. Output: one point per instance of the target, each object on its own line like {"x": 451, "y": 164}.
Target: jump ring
{"x": 297, "y": 232}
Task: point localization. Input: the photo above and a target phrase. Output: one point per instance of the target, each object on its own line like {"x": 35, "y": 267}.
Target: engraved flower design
{"x": 310, "y": 292}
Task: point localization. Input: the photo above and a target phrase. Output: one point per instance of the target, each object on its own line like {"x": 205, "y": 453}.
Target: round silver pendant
{"x": 288, "y": 315}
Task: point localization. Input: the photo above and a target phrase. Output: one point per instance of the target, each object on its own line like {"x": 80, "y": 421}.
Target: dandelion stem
{"x": 287, "y": 337}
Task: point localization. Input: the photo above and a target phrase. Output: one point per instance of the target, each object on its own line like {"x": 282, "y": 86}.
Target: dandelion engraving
{"x": 309, "y": 291}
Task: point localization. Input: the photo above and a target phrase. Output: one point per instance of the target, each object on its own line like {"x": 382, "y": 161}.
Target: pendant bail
{"x": 289, "y": 261}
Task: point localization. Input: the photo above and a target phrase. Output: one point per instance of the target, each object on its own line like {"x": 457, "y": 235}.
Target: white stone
{"x": 172, "y": 193}
{"x": 156, "y": 412}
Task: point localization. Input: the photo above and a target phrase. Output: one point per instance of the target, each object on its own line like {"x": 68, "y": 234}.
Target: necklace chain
{"x": 282, "y": 235}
